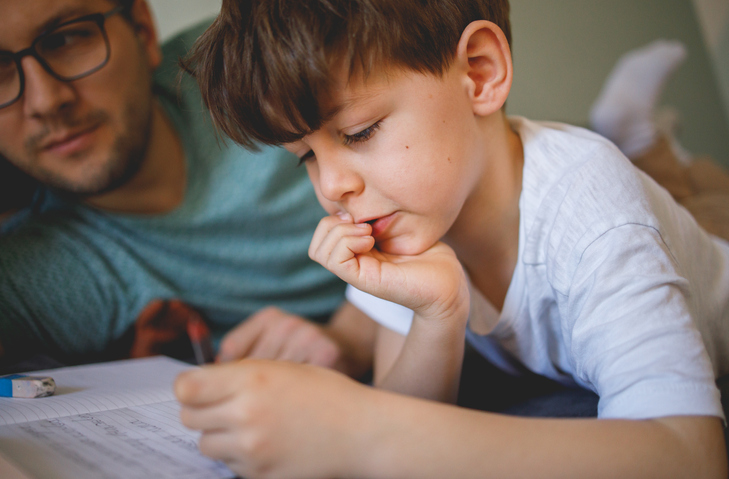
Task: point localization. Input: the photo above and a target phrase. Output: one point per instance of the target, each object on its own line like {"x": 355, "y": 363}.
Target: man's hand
{"x": 346, "y": 343}
{"x": 272, "y": 333}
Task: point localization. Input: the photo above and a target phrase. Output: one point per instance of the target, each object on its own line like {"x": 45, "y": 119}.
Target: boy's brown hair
{"x": 264, "y": 66}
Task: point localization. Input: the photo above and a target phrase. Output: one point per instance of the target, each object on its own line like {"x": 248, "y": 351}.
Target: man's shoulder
{"x": 174, "y": 49}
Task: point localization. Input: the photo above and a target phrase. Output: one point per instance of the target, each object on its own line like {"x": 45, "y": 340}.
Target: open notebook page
{"x": 97, "y": 387}
{"x": 113, "y": 420}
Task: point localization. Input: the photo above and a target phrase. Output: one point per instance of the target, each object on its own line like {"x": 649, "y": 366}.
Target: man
{"x": 145, "y": 216}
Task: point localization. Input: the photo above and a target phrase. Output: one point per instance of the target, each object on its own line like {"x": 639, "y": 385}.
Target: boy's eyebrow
{"x": 350, "y": 102}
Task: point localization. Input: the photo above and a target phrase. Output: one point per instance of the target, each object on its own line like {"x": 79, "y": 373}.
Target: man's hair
{"x": 264, "y": 66}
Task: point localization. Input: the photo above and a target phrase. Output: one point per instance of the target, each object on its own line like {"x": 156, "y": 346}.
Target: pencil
{"x": 200, "y": 339}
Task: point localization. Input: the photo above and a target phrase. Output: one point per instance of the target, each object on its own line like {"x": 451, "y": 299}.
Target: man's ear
{"x": 146, "y": 31}
{"x": 484, "y": 55}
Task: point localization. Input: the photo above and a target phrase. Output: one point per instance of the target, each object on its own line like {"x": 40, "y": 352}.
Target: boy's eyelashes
{"x": 308, "y": 155}
{"x": 363, "y": 135}
{"x": 359, "y": 137}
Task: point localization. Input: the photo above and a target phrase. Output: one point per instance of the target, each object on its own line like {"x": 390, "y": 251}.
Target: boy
{"x": 562, "y": 258}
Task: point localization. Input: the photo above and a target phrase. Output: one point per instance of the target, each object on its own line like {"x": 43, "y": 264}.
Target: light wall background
{"x": 714, "y": 18}
{"x": 564, "y": 50}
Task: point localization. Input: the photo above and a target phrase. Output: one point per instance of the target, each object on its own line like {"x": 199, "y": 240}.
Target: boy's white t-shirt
{"x": 616, "y": 288}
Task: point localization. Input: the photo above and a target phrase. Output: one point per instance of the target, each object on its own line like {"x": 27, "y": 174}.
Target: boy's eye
{"x": 363, "y": 135}
{"x": 309, "y": 155}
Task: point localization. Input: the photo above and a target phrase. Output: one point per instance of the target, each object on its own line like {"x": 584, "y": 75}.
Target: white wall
{"x": 714, "y": 18}
{"x": 174, "y": 15}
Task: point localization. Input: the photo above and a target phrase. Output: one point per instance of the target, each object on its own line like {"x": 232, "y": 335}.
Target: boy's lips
{"x": 380, "y": 224}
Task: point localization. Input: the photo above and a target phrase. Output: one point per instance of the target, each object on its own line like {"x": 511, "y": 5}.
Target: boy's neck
{"x": 159, "y": 185}
{"x": 485, "y": 235}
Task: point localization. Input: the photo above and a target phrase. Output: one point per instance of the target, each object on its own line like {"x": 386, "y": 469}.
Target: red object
{"x": 200, "y": 338}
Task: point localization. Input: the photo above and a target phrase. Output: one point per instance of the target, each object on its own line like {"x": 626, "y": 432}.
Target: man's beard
{"x": 124, "y": 160}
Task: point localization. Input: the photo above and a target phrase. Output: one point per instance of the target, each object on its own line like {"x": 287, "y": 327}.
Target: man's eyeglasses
{"x": 70, "y": 51}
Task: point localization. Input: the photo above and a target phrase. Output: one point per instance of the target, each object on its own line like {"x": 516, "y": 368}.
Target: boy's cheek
{"x": 329, "y": 206}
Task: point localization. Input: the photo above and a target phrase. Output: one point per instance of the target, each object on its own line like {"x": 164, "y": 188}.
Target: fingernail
{"x": 344, "y": 216}
{"x": 363, "y": 225}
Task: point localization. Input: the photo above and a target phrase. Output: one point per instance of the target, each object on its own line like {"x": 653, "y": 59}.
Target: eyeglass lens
{"x": 69, "y": 52}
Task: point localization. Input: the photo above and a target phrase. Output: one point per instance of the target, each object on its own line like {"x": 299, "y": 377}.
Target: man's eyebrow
{"x": 66, "y": 13}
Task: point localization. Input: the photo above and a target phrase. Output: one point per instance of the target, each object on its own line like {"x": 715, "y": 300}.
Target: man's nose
{"x": 44, "y": 94}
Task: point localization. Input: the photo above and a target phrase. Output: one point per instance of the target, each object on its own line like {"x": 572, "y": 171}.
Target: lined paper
{"x": 112, "y": 420}
{"x": 97, "y": 387}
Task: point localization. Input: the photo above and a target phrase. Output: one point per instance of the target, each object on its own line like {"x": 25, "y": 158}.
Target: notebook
{"x": 109, "y": 420}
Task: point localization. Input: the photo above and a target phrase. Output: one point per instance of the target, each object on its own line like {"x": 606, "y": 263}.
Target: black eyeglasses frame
{"x": 98, "y": 18}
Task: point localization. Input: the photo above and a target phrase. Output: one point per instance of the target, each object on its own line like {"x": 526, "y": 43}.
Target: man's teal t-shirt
{"x": 74, "y": 278}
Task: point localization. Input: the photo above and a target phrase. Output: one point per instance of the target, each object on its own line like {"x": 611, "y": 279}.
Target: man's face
{"x": 87, "y": 136}
{"x": 399, "y": 153}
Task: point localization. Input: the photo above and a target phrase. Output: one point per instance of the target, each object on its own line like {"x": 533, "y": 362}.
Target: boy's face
{"x": 85, "y": 135}
{"x": 398, "y": 153}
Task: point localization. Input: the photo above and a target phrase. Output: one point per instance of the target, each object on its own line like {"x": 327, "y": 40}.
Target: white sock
{"x": 668, "y": 125}
{"x": 623, "y": 112}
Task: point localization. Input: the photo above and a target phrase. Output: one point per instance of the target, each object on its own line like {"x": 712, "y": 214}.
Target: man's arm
{"x": 355, "y": 332}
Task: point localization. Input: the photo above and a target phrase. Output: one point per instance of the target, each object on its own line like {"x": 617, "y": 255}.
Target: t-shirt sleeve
{"x": 388, "y": 314}
{"x": 57, "y": 294}
{"x": 631, "y": 331}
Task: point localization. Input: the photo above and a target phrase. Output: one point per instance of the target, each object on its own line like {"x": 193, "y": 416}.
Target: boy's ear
{"x": 484, "y": 54}
{"x": 146, "y": 31}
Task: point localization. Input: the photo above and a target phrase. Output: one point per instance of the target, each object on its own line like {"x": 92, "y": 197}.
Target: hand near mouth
{"x": 431, "y": 283}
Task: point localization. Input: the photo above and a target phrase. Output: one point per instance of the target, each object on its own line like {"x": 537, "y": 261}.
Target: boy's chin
{"x": 401, "y": 247}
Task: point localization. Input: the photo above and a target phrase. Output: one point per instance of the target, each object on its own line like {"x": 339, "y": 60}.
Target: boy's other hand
{"x": 272, "y": 333}
{"x": 432, "y": 283}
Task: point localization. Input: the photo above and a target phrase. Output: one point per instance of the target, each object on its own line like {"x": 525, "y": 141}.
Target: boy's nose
{"x": 44, "y": 95}
{"x": 337, "y": 180}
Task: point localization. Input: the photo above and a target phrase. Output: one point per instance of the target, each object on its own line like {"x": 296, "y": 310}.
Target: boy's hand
{"x": 431, "y": 283}
{"x": 272, "y": 333}
{"x": 274, "y": 418}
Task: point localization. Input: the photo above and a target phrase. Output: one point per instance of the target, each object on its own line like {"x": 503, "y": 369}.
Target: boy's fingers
{"x": 323, "y": 229}
{"x": 219, "y": 445}
{"x": 343, "y": 262}
{"x": 209, "y": 384}
{"x": 213, "y": 418}
{"x": 343, "y": 233}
